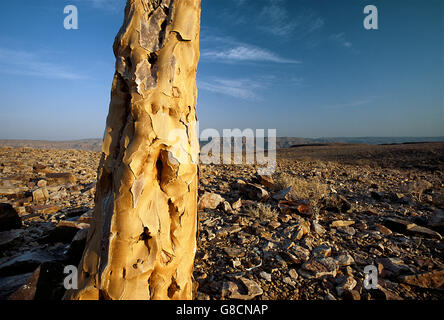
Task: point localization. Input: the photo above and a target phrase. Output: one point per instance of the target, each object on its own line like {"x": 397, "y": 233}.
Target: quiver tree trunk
{"x": 142, "y": 241}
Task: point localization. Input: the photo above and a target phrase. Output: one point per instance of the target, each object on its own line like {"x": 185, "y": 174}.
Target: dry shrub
{"x": 312, "y": 189}
{"x": 416, "y": 189}
{"x": 262, "y": 211}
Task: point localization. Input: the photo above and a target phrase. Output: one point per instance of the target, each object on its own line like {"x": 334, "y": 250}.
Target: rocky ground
{"x": 307, "y": 232}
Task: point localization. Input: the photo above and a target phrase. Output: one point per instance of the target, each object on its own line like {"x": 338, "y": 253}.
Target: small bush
{"x": 262, "y": 211}
{"x": 312, "y": 189}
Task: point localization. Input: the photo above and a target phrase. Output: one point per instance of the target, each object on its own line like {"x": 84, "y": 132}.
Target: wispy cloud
{"x": 341, "y": 40}
{"x": 275, "y": 19}
{"x": 238, "y": 88}
{"x": 228, "y": 49}
{"x": 25, "y": 63}
{"x": 242, "y": 53}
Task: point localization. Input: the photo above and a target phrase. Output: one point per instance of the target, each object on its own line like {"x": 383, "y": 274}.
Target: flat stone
{"x": 317, "y": 268}
{"x": 344, "y": 260}
{"x": 321, "y": 251}
{"x": 341, "y": 223}
{"x": 44, "y": 209}
{"x": 282, "y": 194}
{"x": 298, "y": 254}
{"x": 234, "y": 252}
{"x": 425, "y": 232}
{"x": 245, "y": 290}
{"x": 404, "y": 226}
{"x": 384, "y": 230}
{"x": 398, "y": 225}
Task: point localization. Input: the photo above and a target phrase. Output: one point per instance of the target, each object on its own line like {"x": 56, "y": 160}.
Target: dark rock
{"x": 336, "y": 203}
{"x": 77, "y": 246}
{"x": 27, "y": 291}
{"x": 266, "y": 181}
{"x": 254, "y": 192}
{"x": 405, "y": 226}
{"x": 10, "y": 238}
{"x": 9, "y": 218}
{"x": 10, "y": 284}
{"x": 64, "y": 232}
{"x": 395, "y": 265}
{"x": 29, "y": 261}
{"x": 317, "y": 268}
{"x": 351, "y": 295}
{"x": 436, "y": 221}
{"x": 281, "y": 195}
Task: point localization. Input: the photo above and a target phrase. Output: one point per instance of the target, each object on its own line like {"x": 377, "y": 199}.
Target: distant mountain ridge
{"x": 281, "y": 142}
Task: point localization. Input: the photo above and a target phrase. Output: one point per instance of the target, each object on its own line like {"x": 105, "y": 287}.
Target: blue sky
{"x": 306, "y": 68}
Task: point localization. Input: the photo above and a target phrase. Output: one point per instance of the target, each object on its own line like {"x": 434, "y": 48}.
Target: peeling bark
{"x": 142, "y": 241}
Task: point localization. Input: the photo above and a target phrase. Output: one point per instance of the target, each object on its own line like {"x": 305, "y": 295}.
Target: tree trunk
{"x": 142, "y": 241}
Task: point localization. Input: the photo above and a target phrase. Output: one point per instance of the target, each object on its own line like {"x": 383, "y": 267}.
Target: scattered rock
{"x": 254, "y": 192}
{"x": 405, "y": 226}
{"x": 40, "y": 195}
{"x": 266, "y": 181}
{"x": 345, "y": 283}
{"x": 427, "y": 280}
{"x": 246, "y": 289}
{"x": 317, "y": 228}
{"x": 209, "y": 201}
{"x": 395, "y": 265}
{"x": 336, "y": 203}
{"x": 344, "y": 260}
{"x": 282, "y": 195}
{"x": 317, "y": 268}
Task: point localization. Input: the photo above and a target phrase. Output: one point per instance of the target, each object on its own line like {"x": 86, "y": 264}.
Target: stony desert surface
{"x": 306, "y": 232}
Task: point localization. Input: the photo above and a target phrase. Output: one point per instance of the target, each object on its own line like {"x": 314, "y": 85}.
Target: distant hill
{"x": 85, "y": 144}
{"x": 281, "y": 142}
{"x": 378, "y": 140}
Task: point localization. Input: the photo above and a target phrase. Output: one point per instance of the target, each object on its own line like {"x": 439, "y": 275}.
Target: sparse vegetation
{"x": 312, "y": 189}
{"x": 262, "y": 211}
